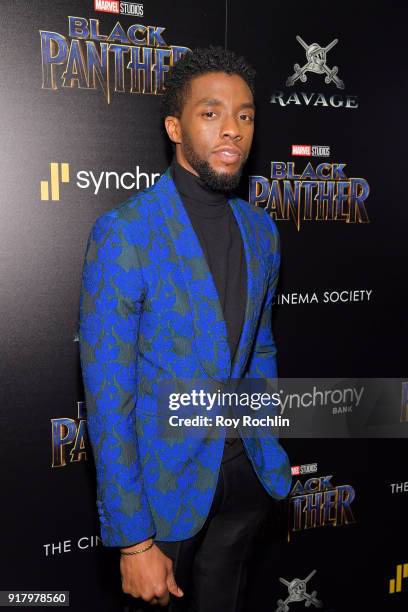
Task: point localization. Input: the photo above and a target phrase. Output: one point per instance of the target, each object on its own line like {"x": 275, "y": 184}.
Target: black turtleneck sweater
{"x": 218, "y": 232}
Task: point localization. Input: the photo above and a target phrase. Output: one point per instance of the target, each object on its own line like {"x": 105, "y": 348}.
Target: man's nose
{"x": 231, "y": 129}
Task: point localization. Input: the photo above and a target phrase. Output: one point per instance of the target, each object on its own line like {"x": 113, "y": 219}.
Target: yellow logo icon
{"x": 396, "y": 583}
{"x": 58, "y": 173}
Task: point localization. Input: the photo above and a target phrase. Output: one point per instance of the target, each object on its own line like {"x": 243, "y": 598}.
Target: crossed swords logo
{"x": 297, "y": 592}
{"x": 316, "y": 62}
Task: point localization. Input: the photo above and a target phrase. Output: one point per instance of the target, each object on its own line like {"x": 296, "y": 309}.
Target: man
{"x": 178, "y": 284}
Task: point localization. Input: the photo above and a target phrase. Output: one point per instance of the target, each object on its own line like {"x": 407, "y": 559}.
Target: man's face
{"x": 214, "y": 133}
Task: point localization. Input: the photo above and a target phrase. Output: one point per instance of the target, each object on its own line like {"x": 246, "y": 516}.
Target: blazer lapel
{"x": 210, "y": 329}
{"x": 256, "y": 285}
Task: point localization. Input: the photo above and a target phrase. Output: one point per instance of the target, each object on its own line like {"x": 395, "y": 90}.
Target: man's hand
{"x": 149, "y": 575}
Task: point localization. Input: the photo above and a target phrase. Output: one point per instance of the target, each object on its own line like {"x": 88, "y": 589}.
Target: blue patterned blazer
{"x": 150, "y": 311}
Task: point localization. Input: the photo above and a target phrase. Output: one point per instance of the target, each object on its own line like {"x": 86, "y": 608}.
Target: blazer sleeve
{"x": 262, "y": 361}
{"x": 111, "y": 303}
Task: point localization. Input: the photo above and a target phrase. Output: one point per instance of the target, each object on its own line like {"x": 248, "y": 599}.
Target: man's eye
{"x": 246, "y": 117}
{"x": 208, "y": 114}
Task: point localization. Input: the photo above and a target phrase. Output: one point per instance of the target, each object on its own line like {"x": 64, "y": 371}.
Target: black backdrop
{"x": 49, "y": 535}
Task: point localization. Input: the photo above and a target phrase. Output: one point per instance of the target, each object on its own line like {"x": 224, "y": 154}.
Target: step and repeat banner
{"x": 80, "y": 97}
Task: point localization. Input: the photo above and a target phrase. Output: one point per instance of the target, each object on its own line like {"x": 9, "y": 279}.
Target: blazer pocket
{"x": 265, "y": 348}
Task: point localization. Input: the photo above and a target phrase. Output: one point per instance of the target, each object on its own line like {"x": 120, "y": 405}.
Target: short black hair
{"x": 196, "y": 63}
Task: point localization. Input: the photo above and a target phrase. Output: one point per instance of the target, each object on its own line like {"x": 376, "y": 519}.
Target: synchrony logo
{"x": 93, "y": 181}
{"x": 396, "y": 584}
{"x": 59, "y": 173}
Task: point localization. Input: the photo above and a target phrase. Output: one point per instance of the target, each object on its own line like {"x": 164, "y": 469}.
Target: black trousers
{"x": 212, "y": 566}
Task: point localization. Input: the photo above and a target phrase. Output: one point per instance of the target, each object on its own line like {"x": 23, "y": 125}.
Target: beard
{"x": 216, "y": 181}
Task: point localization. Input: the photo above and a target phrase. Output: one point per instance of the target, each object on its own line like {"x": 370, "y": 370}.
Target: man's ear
{"x": 173, "y": 129}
